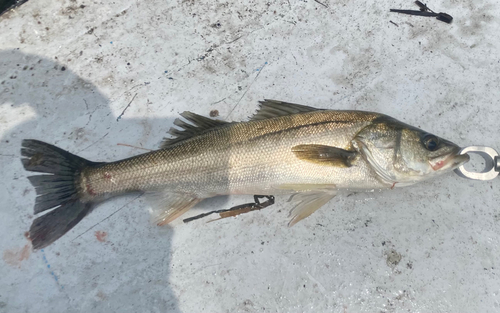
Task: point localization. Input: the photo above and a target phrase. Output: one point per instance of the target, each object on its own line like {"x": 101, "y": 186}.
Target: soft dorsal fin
{"x": 199, "y": 125}
{"x": 273, "y": 108}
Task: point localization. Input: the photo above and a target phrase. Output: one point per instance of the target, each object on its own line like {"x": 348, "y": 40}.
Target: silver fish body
{"x": 252, "y": 157}
{"x": 284, "y": 149}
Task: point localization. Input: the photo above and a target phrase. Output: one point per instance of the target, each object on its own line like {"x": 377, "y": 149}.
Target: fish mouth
{"x": 450, "y": 161}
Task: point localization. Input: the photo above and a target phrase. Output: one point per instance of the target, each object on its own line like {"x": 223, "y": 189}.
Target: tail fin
{"x": 57, "y": 190}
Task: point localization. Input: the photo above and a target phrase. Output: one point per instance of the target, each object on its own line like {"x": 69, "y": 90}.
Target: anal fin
{"x": 167, "y": 206}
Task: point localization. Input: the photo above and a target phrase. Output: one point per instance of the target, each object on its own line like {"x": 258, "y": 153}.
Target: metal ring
{"x": 485, "y": 152}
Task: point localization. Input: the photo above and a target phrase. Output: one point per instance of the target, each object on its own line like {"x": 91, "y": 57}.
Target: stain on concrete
{"x": 393, "y": 258}
{"x": 100, "y": 235}
{"x": 14, "y": 257}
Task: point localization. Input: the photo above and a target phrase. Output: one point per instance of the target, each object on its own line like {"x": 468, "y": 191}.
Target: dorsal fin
{"x": 273, "y": 108}
{"x": 199, "y": 125}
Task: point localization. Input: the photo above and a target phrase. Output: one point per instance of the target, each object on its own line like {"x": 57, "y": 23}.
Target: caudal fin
{"x": 56, "y": 190}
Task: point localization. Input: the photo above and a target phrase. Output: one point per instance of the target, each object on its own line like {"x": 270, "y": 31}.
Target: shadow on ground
{"x": 117, "y": 271}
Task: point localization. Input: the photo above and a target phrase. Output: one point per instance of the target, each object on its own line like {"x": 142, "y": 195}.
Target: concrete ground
{"x": 93, "y": 77}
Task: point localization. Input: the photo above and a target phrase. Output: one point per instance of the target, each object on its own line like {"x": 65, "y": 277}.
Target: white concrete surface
{"x": 428, "y": 248}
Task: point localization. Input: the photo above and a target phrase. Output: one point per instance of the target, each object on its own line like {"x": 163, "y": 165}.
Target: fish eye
{"x": 430, "y": 142}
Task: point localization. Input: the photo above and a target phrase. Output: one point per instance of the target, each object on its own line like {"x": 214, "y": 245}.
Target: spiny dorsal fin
{"x": 199, "y": 125}
{"x": 326, "y": 155}
{"x": 273, "y": 108}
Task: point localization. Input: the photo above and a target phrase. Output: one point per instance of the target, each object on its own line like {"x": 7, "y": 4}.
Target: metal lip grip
{"x": 492, "y": 159}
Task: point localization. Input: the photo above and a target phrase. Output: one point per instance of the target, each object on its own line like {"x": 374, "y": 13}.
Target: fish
{"x": 307, "y": 153}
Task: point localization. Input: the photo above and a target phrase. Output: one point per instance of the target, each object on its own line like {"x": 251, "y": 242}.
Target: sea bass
{"x": 283, "y": 149}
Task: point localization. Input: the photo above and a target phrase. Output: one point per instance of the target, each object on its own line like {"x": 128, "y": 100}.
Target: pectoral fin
{"x": 308, "y": 203}
{"x": 326, "y": 155}
{"x": 166, "y": 207}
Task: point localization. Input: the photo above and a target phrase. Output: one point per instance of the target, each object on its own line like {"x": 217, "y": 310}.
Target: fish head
{"x": 403, "y": 154}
